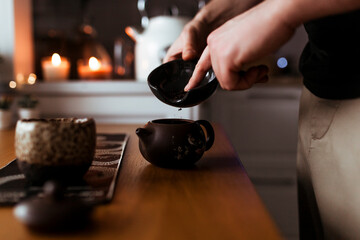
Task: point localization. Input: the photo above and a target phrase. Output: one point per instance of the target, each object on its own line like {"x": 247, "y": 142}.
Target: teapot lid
{"x": 52, "y": 212}
{"x": 149, "y": 9}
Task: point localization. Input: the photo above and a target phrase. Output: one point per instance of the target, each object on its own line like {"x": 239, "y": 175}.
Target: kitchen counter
{"x": 122, "y": 101}
{"x": 110, "y": 102}
{"x": 213, "y": 200}
{"x": 121, "y": 87}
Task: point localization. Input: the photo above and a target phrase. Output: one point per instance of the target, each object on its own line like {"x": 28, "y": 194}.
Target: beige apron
{"x": 328, "y": 168}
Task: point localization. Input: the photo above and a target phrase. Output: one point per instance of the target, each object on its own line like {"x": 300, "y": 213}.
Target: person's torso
{"x": 330, "y": 62}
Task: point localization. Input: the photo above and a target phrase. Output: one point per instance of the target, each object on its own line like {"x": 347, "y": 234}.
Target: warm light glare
{"x": 94, "y": 64}
{"x": 20, "y": 78}
{"x": 56, "y": 59}
{"x": 88, "y": 29}
{"x": 12, "y": 84}
{"x": 32, "y": 78}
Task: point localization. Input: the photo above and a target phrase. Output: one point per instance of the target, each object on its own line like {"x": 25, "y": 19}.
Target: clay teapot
{"x": 175, "y": 143}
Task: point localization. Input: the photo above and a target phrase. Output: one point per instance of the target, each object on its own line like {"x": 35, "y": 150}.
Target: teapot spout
{"x": 143, "y": 133}
{"x": 134, "y": 32}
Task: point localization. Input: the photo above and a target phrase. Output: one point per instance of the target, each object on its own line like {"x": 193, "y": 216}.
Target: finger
{"x": 172, "y": 57}
{"x": 173, "y": 53}
{"x": 244, "y": 79}
{"x": 190, "y": 50}
{"x": 263, "y": 80}
{"x": 251, "y": 76}
{"x": 262, "y": 74}
{"x": 263, "y": 70}
{"x": 184, "y": 47}
{"x": 203, "y": 65}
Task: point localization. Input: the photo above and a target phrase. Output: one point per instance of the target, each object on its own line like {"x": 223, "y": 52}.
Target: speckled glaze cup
{"x": 59, "y": 149}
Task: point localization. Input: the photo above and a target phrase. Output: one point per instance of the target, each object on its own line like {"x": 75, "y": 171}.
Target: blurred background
{"x": 61, "y": 26}
{"x": 90, "y": 58}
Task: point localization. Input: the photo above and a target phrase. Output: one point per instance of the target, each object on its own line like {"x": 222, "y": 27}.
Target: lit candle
{"x": 94, "y": 69}
{"x": 55, "y": 68}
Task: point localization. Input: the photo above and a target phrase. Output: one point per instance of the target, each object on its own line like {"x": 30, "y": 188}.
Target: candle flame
{"x": 94, "y": 64}
{"x": 56, "y": 59}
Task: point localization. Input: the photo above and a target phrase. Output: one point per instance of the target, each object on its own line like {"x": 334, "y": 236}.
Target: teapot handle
{"x": 210, "y": 135}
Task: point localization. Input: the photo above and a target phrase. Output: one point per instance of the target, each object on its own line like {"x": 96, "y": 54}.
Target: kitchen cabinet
{"x": 105, "y": 101}
{"x": 262, "y": 124}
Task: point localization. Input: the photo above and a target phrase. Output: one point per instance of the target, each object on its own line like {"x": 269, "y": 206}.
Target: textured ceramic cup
{"x": 60, "y": 149}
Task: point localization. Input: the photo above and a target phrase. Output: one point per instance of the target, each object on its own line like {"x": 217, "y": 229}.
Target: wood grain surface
{"x": 213, "y": 200}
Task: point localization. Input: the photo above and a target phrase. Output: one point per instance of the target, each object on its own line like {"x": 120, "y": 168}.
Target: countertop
{"x": 213, "y": 200}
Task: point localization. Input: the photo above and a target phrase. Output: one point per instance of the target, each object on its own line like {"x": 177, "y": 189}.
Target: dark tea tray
{"x": 99, "y": 182}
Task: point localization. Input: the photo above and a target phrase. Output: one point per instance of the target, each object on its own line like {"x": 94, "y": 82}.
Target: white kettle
{"x": 153, "y": 40}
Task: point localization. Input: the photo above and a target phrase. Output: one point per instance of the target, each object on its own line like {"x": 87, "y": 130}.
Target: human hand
{"x": 244, "y": 79}
{"x": 191, "y": 42}
{"x": 239, "y": 42}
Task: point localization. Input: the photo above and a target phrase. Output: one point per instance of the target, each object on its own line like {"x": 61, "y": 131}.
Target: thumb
{"x": 203, "y": 65}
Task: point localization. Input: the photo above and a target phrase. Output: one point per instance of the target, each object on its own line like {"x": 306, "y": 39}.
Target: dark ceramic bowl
{"x": 167, "y": 83}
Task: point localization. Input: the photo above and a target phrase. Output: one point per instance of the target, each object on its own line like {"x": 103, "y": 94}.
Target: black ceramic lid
{"x": 52, "y": 212}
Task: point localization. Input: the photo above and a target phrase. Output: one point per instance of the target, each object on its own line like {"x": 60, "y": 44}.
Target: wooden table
{"x": 214, "y": 200}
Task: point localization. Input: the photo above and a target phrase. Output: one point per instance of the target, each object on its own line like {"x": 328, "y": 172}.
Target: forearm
{"x": 297, "y": 12}
{"x": 217, "y": 12}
